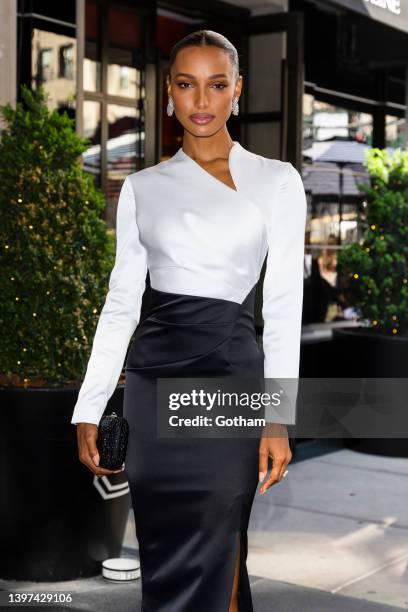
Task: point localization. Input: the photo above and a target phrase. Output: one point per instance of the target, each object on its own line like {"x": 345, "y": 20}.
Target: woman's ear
{"x": 238, "y": 85}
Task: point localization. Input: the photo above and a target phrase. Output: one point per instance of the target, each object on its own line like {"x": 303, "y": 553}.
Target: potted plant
{"x": 375, "y": 272}
{"x": 58, "y": 520}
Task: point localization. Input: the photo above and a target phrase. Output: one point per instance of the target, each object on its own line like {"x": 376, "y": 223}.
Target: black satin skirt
{"x": 191, "y": 497}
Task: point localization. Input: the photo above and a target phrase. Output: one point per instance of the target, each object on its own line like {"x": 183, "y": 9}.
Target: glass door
{"x": 118, "y": 37}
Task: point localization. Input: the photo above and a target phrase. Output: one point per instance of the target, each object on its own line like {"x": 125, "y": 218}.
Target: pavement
{"x": 332, "y": 535}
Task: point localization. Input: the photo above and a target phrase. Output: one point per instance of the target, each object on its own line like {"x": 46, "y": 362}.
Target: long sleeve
{"x": 283, "y": 294}
{"x": 119, "y": 316}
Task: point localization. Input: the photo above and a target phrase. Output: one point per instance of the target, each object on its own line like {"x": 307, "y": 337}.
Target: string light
{"x": 355, "y": 275}
{"x": 58, "y": 265}
{"x": 372, "y": 226}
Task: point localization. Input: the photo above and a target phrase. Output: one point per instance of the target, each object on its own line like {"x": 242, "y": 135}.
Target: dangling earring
{"x": 170, "y": 106}
{"x": 234, "y": 105}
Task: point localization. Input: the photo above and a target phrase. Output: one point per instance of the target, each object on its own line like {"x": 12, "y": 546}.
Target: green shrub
{"x": 56, "y": 252}
{"x": 376, "y": 269}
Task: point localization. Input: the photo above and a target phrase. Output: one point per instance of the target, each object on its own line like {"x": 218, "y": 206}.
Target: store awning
{"x": 321, "y": 181}
{"x": 391, "y": 12}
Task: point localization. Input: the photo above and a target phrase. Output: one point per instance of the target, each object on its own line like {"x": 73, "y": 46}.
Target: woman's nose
{"x": 201, "y": 99}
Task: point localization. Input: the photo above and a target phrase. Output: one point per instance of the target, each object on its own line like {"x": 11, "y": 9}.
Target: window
{"x": 46, "y": 44}
{"x": 53, "y": 64}
{"x": 335, "y": 139}
{"x": 92, "y": 60}
{"x": 45, "y": 72}
{"x": 66, "y": 62}
{"x": 92, "y": 130}
{"x": 114, "y": 92}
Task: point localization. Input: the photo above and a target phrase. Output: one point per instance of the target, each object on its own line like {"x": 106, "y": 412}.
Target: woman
{"x": 202, "y": 223}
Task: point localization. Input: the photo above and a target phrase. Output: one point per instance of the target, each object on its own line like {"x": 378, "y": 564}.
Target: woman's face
{"x": 202, "y": 86}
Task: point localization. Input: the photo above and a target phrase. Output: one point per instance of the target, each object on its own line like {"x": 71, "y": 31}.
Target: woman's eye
{"x": 216, "y": 85}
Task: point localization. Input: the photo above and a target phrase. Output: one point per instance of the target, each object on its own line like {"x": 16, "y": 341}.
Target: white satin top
{"x": 198, "y": 236}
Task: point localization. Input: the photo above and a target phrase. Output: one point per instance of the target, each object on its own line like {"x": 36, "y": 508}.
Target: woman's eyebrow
{"x": 191, "y": 76}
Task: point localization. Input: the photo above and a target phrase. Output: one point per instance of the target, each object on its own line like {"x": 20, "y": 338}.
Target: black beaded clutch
{"x": 113, "y": 432}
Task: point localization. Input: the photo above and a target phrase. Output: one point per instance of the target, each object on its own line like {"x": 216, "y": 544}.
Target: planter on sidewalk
{"x": 374, "y": 277}
{"x": 364, "y": 353}
{"x": 58, "y": 520}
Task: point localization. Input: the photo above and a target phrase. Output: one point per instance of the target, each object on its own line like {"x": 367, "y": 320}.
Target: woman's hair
{"x": 209, "y": 38}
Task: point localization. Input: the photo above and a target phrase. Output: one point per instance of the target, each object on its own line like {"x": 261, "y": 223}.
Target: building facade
{"x": 313, "y": 71}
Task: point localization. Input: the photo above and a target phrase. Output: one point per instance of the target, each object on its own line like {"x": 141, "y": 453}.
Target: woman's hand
{"x": 275, "y": 443}
{"x": 87, "y": 434}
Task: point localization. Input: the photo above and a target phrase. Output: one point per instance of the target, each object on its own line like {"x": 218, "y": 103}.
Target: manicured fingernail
{"x": 261, "y": 476}
{"x": 95, "y": 460}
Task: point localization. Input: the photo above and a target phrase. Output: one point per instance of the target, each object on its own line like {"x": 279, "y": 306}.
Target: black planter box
{"x": 58, "y": 520}
{"x": 363, "y": 353}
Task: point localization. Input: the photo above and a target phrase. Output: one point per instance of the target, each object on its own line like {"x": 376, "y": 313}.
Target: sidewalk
{"x": 333, "y": 535}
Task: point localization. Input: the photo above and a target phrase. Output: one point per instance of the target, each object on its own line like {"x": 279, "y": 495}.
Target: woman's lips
{"x": 201, "y": 118}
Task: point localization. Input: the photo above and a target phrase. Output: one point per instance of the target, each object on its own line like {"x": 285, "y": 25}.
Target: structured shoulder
{"x": 149, "y": 177}
{"x": 270, "y": 170}
{"x": 261, "y": 161}
{"x": 283, "y": 172}
{"x": 258, "y": 173}
{"x": 277, "y": 166}
{"x": 146, "y": 172}
{"x": 270, "y": 164}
